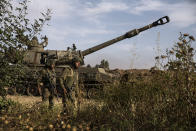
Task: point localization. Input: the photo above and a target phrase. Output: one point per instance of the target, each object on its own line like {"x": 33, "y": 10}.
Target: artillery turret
{"x": 36, "y": 56}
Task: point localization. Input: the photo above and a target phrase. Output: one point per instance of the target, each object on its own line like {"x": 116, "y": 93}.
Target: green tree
{"x": 179, "y": 60}
{"x": 89, "y": 66}
{"x": 104, "y": 64}
{"x": 15, "y": 32}
{"x": 180, "y": 57}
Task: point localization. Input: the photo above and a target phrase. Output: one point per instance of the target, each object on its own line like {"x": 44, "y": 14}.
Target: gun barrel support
{"x": 129, "y": 34}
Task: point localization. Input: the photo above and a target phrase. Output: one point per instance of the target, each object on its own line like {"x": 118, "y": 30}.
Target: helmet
{"x": 76, "y": 62}
{"x": 50, "y": 62}
{"x": 77, "y": 59}
{"x": 35, "y": 38}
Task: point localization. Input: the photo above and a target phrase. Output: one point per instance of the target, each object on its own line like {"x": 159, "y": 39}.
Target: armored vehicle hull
{"x": 95, "y": 79}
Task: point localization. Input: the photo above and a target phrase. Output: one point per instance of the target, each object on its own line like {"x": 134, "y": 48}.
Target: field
{"x": 148, "y": 100}
{"x": 162, "y": 98}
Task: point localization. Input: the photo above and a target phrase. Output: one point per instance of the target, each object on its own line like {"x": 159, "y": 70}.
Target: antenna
{"x": 134, "y": 56}
{"x": 158, "y": 51}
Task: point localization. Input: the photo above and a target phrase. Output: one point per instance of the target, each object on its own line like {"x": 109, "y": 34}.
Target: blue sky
{"x": 90, "y": 22}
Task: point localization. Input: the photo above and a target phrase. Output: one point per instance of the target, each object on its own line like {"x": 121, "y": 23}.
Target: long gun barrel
{"x": 129, "y": 34}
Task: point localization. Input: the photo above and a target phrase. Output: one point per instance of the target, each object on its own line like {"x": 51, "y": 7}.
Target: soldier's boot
{"x": 75, "y": 109}
{"x": 45, "y": 94}
{"x": 64, "y": 110}
{"x": 51, "y": 102}
{"x": 44, "y": 98}
{"x": 74, "y": 104}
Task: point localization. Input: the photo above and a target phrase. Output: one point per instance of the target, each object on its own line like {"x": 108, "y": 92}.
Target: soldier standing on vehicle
{"x": 48, "y": 82}
{"x": 69, "y": 85}
{"x": 35, "y": 43}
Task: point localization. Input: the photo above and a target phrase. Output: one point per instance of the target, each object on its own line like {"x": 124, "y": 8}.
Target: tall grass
{"x": 161, "y": 100}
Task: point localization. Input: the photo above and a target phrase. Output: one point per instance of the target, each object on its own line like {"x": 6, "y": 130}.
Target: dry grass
{"x": 155, "y": 104}
{"x": 29, "y": 101}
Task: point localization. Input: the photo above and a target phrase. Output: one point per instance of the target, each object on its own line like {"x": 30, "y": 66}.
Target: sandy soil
{"x": 29, "y": 101}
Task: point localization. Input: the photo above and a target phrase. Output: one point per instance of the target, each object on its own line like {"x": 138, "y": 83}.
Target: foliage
{"x": 180, "y": 60}
{"x": 89, "y": 66}
{"x": 104, "y": 64}
{"x": 165, "y": 101}
{"x": 16, "y": 31}
{"x": 180, "y": 57}
{"x": 5, "y": 104}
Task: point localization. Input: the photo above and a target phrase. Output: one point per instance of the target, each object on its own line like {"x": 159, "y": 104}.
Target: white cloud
{"x": 60, "y": 8}
{"x": 80, "y": 32}
{"x": 194, "y": 30}
{"x": 56, "y": 34}
{"x": 105, "y": 7}
{"x": 87, "y": 31}
{"x": 182, "y": 14}
{"x": 147, "y": 5}
{"x": 59, "y": 36}
{"x": 127, "y": 47}
{"x": 93, "y": 12}
{"x": 89, "y": 11}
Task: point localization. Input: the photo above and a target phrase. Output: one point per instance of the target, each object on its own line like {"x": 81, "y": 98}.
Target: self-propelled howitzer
{"x": 36, "y": 56}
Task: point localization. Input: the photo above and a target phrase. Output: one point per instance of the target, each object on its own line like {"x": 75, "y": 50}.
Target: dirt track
{"x": 29, "y": 101}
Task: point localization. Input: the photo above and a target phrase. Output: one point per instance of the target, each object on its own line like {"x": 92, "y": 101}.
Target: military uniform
{"x": 35, "y": 43}
{"x": 48, "y": 78}
{"x": 69, "y": 84}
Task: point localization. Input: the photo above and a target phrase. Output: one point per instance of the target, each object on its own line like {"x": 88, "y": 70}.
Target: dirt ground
{"x": 25, "y": 100}
{"x": 29, "y": 101}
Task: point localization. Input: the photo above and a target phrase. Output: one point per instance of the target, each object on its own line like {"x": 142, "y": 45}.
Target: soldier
{"x": 34, "y": 42}
{"x": 45, "y": 42}
{"x": 48, "y": 82}
{"x": 69, "y": 84}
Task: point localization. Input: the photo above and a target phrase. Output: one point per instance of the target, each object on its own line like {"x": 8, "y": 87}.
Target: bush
{"x": 5, "y": 104}
{"x": 16, "y": 30}
{"x": 166, "y": 101}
